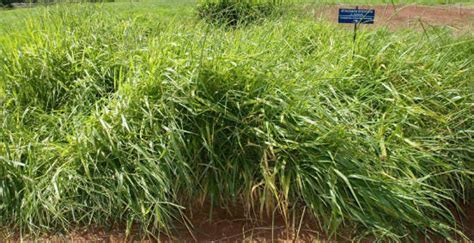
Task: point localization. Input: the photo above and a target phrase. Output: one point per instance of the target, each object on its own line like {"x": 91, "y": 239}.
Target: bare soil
{"x": 467, "y": 219}
{"x": 232, "y": 225}
{"x": 395, "y": 17}
{"x": 224, "y": 225}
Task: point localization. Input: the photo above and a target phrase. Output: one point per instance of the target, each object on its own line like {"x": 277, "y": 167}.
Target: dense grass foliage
{"x": 109, "y": 119}
{"x": 237, "y": 12}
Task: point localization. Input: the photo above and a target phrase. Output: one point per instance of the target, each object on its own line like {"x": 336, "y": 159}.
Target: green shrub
{"x": 235, "y": 12}
{"x": 8, "y": 3}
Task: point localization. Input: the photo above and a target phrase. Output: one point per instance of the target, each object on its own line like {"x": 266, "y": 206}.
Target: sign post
{"x": 355, "y": 28}
{"x": 356, "y": 16}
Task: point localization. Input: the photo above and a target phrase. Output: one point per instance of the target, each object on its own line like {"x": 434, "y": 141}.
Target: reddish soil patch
{"x": 232, "y": 225}
{"x": 224, "y": 225}
{"x": 418, "y": 17}
{"x": 467, "y": 220}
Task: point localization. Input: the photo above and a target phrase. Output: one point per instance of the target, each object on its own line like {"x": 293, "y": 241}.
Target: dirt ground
{"x": 232, "y": 226}
{"x": 394, "y": 17}
{"x": 225, "y": 225}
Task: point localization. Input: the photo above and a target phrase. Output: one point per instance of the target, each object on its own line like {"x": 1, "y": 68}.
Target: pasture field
{"x": 138, "y": 116}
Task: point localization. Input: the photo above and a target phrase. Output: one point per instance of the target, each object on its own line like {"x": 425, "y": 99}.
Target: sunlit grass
{"x": 110, "y": 117}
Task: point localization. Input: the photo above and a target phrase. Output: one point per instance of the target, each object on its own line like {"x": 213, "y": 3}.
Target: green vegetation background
{"x": 127, "y": 112}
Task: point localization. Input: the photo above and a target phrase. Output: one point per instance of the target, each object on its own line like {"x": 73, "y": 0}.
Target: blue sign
{"x": 356, "y": 16}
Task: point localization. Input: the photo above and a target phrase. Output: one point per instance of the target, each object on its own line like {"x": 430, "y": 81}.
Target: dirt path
{"x": 395, "y": 17}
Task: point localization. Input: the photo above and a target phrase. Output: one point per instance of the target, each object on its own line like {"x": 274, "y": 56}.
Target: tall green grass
{"x": 111, "y": 119}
